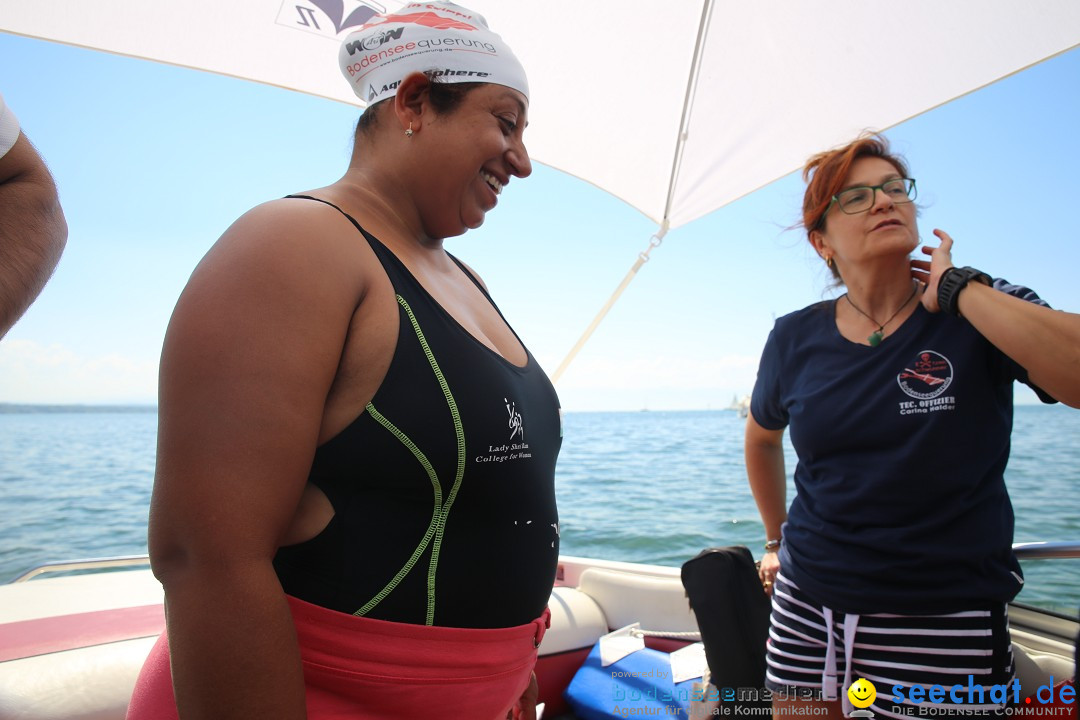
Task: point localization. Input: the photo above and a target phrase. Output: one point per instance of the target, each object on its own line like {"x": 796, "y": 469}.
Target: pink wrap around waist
{"x": 368, "y": 669}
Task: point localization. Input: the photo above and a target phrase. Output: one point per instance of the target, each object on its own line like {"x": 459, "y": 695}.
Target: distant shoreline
{"x": 17, "y": 409}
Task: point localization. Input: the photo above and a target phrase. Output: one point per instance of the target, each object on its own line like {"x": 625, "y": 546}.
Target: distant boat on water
{"x": 741, "y": 406}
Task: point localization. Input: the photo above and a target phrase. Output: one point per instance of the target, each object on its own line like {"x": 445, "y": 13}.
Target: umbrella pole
{"x": 642, "y": 258}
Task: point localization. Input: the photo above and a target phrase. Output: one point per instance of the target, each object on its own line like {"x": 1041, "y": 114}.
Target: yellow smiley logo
{"x": 862, "y": 693}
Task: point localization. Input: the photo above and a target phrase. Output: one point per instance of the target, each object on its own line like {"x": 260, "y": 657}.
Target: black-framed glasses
{"x": 859, "y": 199}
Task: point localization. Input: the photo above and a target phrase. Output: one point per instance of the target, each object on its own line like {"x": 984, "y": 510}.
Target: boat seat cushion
{"x": 91, "y": 683}
{"x": 658, "y": 603}
{"x": 1035, "y": 670}
{"x": 576, "y": 621}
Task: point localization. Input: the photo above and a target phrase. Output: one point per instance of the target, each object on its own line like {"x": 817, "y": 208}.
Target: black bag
{"x": 732, "y": 613}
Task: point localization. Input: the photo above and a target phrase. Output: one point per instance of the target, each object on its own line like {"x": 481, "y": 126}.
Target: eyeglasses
{"x": 859, "y": 199}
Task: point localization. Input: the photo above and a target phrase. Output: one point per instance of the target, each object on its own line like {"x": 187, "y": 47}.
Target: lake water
{"x": 653, "y": 487}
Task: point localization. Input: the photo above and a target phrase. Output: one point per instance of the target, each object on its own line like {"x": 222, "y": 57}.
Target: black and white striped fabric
{"x": 815, "y": 651}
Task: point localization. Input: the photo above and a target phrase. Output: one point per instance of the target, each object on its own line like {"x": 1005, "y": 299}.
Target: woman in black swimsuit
{"x": 354, "y": 506}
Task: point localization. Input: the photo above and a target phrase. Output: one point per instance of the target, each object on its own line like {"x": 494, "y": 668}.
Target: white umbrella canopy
{"x": 678, "y": 109}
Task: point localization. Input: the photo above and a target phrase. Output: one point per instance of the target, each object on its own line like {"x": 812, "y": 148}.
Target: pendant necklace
{"x": 878, "y": 335}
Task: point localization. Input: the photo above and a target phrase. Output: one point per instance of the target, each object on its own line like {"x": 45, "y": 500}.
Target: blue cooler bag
{"x": 638, "y": 685}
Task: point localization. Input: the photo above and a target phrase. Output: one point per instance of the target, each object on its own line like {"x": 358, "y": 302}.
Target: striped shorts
{"x": 816, "y": 652}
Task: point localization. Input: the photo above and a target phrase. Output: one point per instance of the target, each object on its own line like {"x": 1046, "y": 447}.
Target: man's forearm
{"x": 33, "y": 230}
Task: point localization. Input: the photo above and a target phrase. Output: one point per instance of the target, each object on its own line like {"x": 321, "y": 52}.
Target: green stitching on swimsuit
{"x": 438, "y": 520}
{"x": 379, "y": 418}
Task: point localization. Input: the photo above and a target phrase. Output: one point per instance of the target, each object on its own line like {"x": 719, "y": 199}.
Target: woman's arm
{"x": 765, "y": 469}
{"x": 768, "y": 483}
{"x": 1043, "y": 341}
{"x": 250, "y": 354}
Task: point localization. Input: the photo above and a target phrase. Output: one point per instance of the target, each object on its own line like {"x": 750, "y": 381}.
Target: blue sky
{"x": 154, "y": 162}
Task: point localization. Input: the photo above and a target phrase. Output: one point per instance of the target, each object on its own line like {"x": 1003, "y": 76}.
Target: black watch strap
{"x": 952, "y": 282}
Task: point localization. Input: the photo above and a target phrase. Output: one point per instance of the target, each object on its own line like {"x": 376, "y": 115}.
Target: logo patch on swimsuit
{"x": 517, "y": 427}
{"x": 513, "y": 449}
{"x": 927, "y": 376}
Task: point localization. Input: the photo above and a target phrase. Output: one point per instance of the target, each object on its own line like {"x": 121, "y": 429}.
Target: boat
{"x": 73, "y": 635}
{"x": 740, "y": 405}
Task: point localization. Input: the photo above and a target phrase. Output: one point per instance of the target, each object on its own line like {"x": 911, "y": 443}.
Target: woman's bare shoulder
{"x": 308, "y": 225}
{"x": 295, "y": 242}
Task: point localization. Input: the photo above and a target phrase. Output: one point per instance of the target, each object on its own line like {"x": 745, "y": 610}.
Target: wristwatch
{"x": 772, "y": 545}
{"x": 952, "y": 282}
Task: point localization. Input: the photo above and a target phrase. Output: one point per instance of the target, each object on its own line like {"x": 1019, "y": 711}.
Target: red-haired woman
{"x": 894, "y": 561}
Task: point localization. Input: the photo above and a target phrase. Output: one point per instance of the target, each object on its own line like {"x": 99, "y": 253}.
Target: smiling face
{"x": 862, "y": 693}
{"x": 469, "y": 156}
{"x": 888, "y": 229}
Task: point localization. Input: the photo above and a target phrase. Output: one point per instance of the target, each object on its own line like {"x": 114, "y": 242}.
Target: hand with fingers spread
{"x": 929, "y": 272}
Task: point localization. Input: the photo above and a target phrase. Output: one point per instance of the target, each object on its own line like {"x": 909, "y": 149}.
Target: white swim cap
{"x": 441, "y": 39}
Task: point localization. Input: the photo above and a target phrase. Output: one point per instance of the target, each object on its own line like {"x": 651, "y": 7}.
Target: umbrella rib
{"x": 688, "y": 101}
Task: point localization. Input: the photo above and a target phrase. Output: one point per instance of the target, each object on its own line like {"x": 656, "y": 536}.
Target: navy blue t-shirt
{"x": 900, "y": 496}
